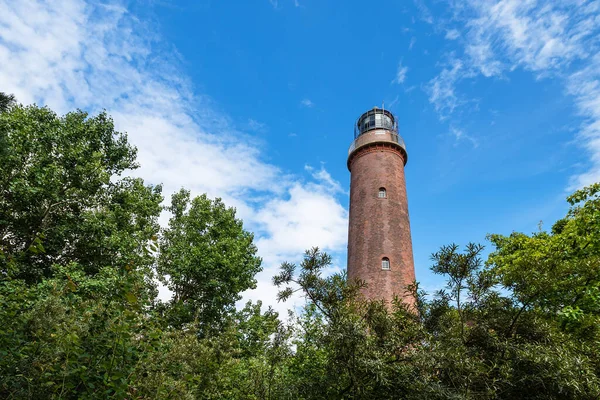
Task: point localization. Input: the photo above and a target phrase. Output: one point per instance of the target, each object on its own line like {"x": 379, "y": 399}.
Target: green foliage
{"x": 80, "y": 247}
{"x": 58, "y": 203}
{"x": 209, "y": 259}
{"x": 6, "y": 100}
{"x": 469, "y": 341}
{"x": 254, "y": 329}
{"x": 76, "y": 336}
{"x": 488, "y": 344}
{"x": 239, "y": 362}
{"x": 327, "y": 294}
{"x": 558, "y": 273}
{"x": 347, "y": 348}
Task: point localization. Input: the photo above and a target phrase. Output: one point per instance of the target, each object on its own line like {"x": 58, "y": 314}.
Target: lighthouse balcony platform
{"x": 376, "y": 136}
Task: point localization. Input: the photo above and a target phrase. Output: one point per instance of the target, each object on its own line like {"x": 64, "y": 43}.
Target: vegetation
{"x": 81, "y": 252}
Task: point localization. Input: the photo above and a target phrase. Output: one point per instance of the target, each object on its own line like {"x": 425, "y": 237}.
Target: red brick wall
{"x": 379, "y": 227}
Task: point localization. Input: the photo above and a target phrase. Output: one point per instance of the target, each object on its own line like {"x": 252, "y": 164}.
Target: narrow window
{"x": 385, "y": 263}
{"x": 372, "y": 121}
{"x": 382, "y": 193}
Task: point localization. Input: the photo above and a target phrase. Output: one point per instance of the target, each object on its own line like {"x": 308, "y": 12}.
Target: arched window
{"x": 385, "y": 263}
{"x": 382, "y": 193}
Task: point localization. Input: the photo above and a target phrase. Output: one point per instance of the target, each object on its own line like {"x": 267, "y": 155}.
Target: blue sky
{"x": 498, "y": 102}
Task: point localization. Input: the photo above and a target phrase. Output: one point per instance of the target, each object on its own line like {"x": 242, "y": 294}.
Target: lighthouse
{"x": 379, "y": 239}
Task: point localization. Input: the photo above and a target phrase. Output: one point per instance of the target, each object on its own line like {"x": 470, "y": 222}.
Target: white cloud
{"x": 256, "y": 126}
{"x": 424, "y": 12}
{"x": 452, "y": 34}
{"x": 413, "y": 40}
{"x": 68, "y": 54}
{"x": 400, "y": 73}
{"x": 538, "y": 35}
{"x": 325, "y": 179}
{"x": 391, "y": 105}
{"x": 309, "y": 216}
{"x": 584, "y": 86}
{"x": 550, "y": 39}
{"x": 461, "y": 135}
{"x": 441, "y": 89}
{"x": 307, "y": 103}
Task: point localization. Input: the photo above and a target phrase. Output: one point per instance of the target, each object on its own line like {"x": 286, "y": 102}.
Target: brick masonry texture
{"x": 379, "y": 227}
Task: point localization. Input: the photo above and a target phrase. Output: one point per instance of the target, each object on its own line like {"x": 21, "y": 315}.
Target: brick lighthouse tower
{"x": 379, "y": 242}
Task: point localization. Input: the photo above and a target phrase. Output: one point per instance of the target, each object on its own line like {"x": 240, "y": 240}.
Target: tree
{"x": 6, "y": 100}
{"x": 242, "y": 361}
{"x": 470, "y": 341}
{"x": 206, "y": 258}
{"x": 75, "y": 276}
{"x": 558, "y": 272}
{"x": 60, "y": 201}
{"x": 75, "y": 335}
{"x": 78, "y": 247}
{"x": 347, "y": 347}
{"x": 483, "y": 343}
{"x": 79, "y": 318}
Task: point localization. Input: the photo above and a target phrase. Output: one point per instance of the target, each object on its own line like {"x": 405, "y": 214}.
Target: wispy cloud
{"x": 413, "y": 40}
{"x": 460, "y": 135}
{"x": 307, "y": 103}
{"x": 452, "y": 34}
{"x": 393, "y": 103}
{"x": 325, "y": 179}
{"x": 69, "y": 54}
{"x": 400, "y": 74}
{"x": 442, "y": 88}
{"x": 424, "y": 12}
{"x": 551, "y": 39}
{"x": 275, "y": 3}
{"x": 537, "y": 35}
{"x": 256, "y": 126}
{"x": 584, "y": 86}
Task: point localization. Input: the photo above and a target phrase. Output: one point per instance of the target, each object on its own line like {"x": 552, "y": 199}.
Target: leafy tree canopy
{"x": 557, "y": 272}
{"x": 58, "y": 203}
{"x": 6, "y": 100}
{"x": 81, "y": 249}
{"x": 206, "y": 259}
